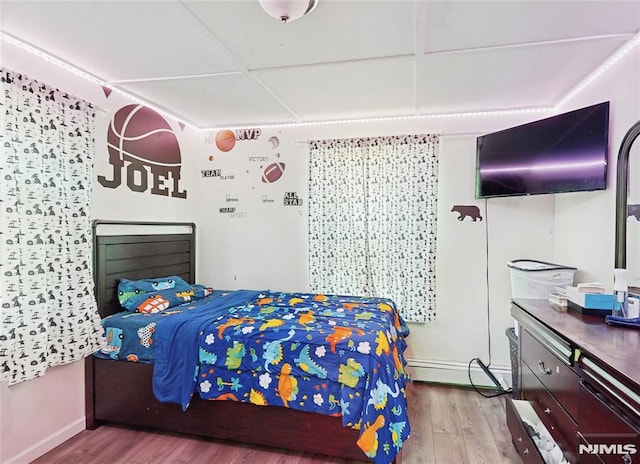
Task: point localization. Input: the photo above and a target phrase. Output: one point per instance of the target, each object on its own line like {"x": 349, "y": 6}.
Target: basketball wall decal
{"x": 143, "y": 151}
{"x": 273, "y": 172}
{"x": 225, "y": 140}
{"x": 139, "y": 133}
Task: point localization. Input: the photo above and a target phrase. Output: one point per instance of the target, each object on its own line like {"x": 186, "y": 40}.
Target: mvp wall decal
{"x": 253, "y": 167}
{"x": 141, "y": 142}
{"x": 226, "y": 139}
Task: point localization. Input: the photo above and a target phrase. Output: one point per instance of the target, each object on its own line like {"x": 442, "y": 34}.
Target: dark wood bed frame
{"x": 121, "y": 392}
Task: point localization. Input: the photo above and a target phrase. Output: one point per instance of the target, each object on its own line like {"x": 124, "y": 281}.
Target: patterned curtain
{"x": 372, "y": 219}
{"x": 49, "y": 313}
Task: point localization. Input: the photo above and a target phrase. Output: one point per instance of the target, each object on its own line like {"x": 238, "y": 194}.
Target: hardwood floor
{"x": 449, "y": 425}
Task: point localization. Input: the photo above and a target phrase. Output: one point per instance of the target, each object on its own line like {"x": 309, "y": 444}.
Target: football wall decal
{"x": 273, "y": 172}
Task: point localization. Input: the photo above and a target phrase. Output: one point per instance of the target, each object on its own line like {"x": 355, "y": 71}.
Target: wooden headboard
{"x": 139, "y": 250}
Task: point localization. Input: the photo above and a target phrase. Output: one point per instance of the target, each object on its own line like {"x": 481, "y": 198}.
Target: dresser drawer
{"x": 554, "y": 373}
{"x": 622, "y": 396}
{"x": 527, "y": 450}
{"x": 609, "y": 433}
{"x": 557, "y": 421}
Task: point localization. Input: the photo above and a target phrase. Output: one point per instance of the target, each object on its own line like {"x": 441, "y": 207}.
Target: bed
{"x": 122, "y": 391}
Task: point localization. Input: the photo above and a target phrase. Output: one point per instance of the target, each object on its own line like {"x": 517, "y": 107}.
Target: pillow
{"x": 129, "y": 288}
{"x": 150, "y": 285}
{"x": 156, "y": 301}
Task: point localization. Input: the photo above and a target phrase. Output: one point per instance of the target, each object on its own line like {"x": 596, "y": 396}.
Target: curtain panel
{"x": 48, "y": 310}
{"x": 372, "y": 219}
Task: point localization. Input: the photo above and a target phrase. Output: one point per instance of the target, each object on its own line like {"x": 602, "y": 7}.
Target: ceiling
{"x": 229, "y": 64}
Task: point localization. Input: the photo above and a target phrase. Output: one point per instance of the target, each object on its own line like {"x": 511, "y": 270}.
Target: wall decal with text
{"x": 292, "y": 199}
{"x": 217, "y": 173}
{"x": 141, "y": 142}
{"x": 225, "y": 140}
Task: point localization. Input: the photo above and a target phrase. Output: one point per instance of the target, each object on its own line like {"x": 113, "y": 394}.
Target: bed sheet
{"x": 131, "y": 335}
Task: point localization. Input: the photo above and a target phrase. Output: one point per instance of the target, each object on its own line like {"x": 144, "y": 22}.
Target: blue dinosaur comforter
{"x": 335, "y": 355}
{"x": 339, "y": 355}
{"x": 175, "y": 369}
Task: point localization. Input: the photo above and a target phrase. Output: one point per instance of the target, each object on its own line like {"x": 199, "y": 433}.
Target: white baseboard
{"x": 47, "y": 444}
{"x": 456, "y": 373}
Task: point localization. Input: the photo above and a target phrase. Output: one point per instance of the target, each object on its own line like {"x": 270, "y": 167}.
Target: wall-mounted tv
{"x": 563, "y": 153}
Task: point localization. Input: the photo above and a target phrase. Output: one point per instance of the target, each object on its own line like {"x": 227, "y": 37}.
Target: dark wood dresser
{"x": 581, "y": 379}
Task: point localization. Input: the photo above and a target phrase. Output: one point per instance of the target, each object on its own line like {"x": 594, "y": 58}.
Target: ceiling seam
{"x": 174, "y": 78}
{"x": 420, "y": 46}
{"x": 593, "y": 38}
{"x": 243, "y": 67}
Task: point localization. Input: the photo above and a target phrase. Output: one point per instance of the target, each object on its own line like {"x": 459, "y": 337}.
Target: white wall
{"x": 262, "y": 244}
{"x": 585, "y": 222}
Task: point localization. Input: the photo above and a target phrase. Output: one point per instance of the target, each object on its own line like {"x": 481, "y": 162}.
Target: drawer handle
{"x": 543, "y": 370}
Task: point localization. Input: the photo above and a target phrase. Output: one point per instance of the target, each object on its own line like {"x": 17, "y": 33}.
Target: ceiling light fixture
{"x": 288, "y": 10}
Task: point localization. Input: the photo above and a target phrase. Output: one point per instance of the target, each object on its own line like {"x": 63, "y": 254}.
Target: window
{"x": 372, "y": 219}
{"x": 48, "y": 310}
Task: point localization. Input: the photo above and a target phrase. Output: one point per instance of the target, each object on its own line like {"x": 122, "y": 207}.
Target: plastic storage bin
{"x": 537, "y": 279}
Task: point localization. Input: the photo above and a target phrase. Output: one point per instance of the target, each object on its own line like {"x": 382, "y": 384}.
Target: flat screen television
{"x": 563, "y": 153}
